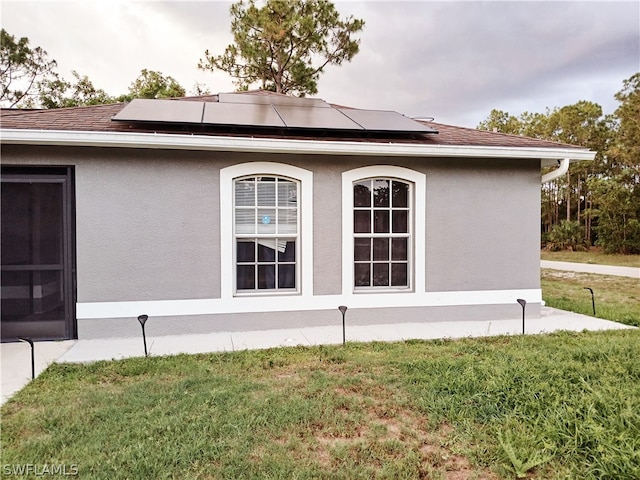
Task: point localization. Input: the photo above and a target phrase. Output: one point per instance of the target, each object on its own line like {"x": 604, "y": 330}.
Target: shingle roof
{"x": 98, "y": 119}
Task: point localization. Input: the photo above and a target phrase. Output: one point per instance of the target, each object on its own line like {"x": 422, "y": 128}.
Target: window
{"x": 266, "y": 230}
{"x": 381, "y": 233}
{"x": 257, "y": 247}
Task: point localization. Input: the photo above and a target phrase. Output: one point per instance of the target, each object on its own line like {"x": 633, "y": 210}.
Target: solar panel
{"x": 241, "y": 114}
{"x": 270, "y": 111}
{"x": 385, "y": 121}
{"x": 316, "y": 118}
{"x": 158, "y": 110}
{"x": 274, "y": 99}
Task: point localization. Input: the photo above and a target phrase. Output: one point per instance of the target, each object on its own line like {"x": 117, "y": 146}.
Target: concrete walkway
{"x": 632, "y": 272}
{"x": 16, "y": 357}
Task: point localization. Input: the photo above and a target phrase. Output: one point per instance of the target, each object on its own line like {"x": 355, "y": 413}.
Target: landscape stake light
{"x": 523, "y": 303}
{"x": 143, "y": 319}
{"x": 343, "y": 310}
{"x": 593, "y": 301}
{"x": 33, "y": 357}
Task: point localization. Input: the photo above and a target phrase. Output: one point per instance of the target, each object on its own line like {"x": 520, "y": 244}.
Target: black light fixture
{"x": 143, "y": 319}
{"x": 523, "y": 304}
{"x": 593, "y": 300}
{"x": 33, "y": 357}
{"x": 343, "y": 310}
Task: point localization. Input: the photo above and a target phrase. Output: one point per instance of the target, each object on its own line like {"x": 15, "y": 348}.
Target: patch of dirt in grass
{"x": 385, "y": 421}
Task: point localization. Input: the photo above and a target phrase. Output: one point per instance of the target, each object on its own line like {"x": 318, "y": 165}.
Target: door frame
{"x": 64, "y": 175}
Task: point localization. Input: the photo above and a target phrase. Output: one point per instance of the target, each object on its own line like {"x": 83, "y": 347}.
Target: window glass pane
{"x": 245, "y": 277}
{"x": 287, "y": 220}
{"x": 362, "y": 194}
{"x": 266, "y": 276}
{"x": 400, "y": 224}
{"x": 286, "y": 276}
{"x": 245, "y": 192}
{"x": 266, "y": 192}
{"x": 246, "y": 251}
{"x": 380, "y": 249}
{"x": 266, "y": 253}
{"x": 266, "y": 220}
{"x": 289, "y": 253}
{"x": 362, "y": 274}
{"x": 362, "y": 221}
{"x": 381, "y": 193}
{"x": 400, "y": 194}
{"x": 362, "y": 249}
{"x": 399, "y": 248}
{"x": 381, "y": 221}
{"x": 245, "y": 220}
{"x": 380, "y": 274}
{"x": 287, "y": 194}
{"x": 399, "y": 275}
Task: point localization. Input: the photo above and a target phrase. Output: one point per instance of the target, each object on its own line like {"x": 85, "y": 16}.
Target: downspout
{"x": 558, "y": 172}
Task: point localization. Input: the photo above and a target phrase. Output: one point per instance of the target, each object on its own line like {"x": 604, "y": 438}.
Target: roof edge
{"x": 270, "y": 145}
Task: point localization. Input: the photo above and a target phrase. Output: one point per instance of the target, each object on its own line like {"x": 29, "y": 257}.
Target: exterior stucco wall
{"x": 148, "y": 229}
{"x": 482, "y": 225}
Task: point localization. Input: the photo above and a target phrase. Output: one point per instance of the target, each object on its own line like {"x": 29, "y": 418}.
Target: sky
{"x": 451, "y": 60}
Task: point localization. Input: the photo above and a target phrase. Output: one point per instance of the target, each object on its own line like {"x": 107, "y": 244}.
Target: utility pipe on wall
{"x": 558, "y": 172}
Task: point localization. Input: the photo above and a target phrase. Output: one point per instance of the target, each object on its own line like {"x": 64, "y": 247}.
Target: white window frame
{"x": 304, "y": 244}
{"x": 417, "y": 221}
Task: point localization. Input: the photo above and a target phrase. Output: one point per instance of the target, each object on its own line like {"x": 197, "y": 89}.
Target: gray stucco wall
{"x": 147, "y": 221}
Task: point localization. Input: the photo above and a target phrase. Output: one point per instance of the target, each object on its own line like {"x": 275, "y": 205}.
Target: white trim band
{"x": 280, "y": 145}
{"x": 169, "y": 308}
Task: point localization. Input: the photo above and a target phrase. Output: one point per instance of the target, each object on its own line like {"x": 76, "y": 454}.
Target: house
{"x": 259, "y": 211}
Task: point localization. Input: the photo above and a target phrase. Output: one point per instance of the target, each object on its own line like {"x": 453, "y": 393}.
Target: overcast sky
{"x": 451, "y": 60}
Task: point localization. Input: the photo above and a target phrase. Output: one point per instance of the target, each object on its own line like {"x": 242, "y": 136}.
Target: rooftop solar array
{"x": 268, "y": 111}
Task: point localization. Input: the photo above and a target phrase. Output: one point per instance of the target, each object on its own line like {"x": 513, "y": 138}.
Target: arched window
{"x": 383, "y": 215}
{"x": 382, "y": 233}
{"x": 266, "y": 230}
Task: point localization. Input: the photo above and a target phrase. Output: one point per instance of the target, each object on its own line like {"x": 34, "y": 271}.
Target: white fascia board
{"x": 548, "y": 156}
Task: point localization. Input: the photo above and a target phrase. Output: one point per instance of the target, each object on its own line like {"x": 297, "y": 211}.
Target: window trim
{"x": 417, "y": 252}
{"x": 304, "y": 245}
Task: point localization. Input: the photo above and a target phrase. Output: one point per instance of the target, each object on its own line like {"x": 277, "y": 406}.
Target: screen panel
{"x": 159, "y": 110}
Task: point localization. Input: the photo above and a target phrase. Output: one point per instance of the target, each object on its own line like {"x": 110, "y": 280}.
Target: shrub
{"x": 567, "y": 235}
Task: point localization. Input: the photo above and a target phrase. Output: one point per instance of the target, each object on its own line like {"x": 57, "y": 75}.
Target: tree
{"x": 626, "y": 149}
{"x": 616, "y": 199}
{"x": 153, "y": 84}
{"x": 58, "y": 93}
{"x": 617, "y": 208}
{"x": 499, "y": 121}
{"x": 285, "y": 45}
{"x": 21, "y": 68}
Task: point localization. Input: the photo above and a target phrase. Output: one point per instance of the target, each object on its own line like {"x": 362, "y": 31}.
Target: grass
{"x": 594, "y": 256}
{"x": 564, "y": 405}
{"x": 616, "y": 298}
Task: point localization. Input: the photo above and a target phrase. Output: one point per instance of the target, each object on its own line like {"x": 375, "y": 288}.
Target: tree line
{"x": 596, "y": 203}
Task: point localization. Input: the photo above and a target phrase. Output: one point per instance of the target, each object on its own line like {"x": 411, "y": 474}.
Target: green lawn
{"x": 564, "y": 405}
{"x": 616, "y": 298}
{"x": 594, "y": 255}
